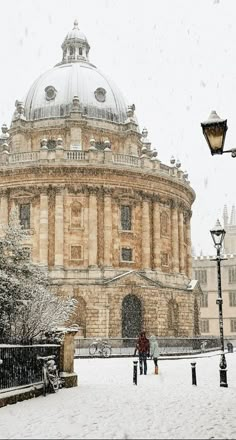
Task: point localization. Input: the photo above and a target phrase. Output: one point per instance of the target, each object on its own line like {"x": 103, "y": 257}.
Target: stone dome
{"x": 52, "y": 94}
{"x": 75, "y": 33}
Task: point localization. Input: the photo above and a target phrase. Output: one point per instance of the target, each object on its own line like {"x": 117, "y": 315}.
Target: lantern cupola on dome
{"x": 75, "y": 46}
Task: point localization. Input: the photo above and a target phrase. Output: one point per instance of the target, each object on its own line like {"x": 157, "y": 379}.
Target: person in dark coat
{"x": 143, "y": 348}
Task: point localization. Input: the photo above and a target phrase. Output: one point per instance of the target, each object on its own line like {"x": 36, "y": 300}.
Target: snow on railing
{"x": 164, "y": 168}
{"x": 126, "y": 160}
{"x": 75, "y": 155}
{"x": 30, "y": 156}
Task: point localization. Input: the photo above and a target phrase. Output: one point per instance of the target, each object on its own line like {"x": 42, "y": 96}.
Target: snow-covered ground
{"x": 106, "y": 404}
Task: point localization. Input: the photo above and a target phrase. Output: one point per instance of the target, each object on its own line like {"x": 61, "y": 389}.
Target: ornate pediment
{"x": 132, "y": 278}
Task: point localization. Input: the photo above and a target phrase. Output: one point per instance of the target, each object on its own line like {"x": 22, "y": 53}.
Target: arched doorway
{"x": 131, "y": 316}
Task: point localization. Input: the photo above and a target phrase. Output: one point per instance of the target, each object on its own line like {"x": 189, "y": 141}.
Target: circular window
{"x": 50, "y": 93}
{"x": 100, "y": 94}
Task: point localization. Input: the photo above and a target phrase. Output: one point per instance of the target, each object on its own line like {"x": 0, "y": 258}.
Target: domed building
{"x": 106, "y": 218}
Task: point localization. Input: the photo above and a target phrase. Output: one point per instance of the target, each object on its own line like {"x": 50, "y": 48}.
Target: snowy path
{"x": 107, "y": 405}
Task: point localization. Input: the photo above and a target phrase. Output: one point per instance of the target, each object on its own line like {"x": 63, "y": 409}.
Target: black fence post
{"x": 194, "y": 378}
{"x": 135, "y": 372}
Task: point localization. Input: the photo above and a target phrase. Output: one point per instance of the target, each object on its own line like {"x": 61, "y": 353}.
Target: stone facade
{"x": 109, "y": 222}
{"x": 205, "y": 271}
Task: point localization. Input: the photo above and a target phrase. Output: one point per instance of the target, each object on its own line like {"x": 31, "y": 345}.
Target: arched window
{"x": 24, "y": 215}
{"x": 173, "y": 318}
{"x": 131, "y": 316}
{"x": 80, "y": 315}
{"x": 80, "y": 51}
{"x": 126, "y": 217}
{"x": 164, "y": 223}
{"x": 76, "y": 215}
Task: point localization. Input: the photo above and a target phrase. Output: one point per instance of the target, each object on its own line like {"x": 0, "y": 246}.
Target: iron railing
{"x": 168, "y": 346}
{"x": 20, "y": 366}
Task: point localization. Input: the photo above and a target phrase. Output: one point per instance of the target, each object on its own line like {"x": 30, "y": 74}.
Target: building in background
{"x": 205, "y": 271}
{"x": 106, "y": 219}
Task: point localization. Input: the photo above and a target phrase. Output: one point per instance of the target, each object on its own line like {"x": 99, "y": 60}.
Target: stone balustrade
{"x": 89, "y": 157}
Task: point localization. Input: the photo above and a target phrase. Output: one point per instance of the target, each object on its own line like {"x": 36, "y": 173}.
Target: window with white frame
{"x": 233, "y": 325}
{"x": 204, "y": 300}
{"x": 204, "y": 324}
{"x": 232, "y": 299}
{"x": 232, "y": 274}
{"x": 201, "y": 276}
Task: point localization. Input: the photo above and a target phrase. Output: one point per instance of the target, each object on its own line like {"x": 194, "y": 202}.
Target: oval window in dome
{"x": 100, "y": 94}
{"x": 50, "y": 92}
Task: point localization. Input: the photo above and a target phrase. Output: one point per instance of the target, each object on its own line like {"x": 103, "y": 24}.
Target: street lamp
{"x": 218, "y": 234}
{"x": 214, "y": 130}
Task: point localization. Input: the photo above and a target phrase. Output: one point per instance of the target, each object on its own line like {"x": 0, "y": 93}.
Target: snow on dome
{"x": 52, "y": 94}
{"x": 75, "y": 33}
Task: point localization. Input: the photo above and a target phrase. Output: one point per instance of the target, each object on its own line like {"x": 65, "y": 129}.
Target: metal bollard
{"x": 135, "y": 372}
{"x": 194, "y": 378}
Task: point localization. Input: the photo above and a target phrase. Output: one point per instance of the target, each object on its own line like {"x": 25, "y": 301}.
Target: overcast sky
{"x": 174, "y": 59}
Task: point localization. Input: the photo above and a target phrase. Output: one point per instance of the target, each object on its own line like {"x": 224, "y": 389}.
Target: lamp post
{"x": 214, "y": 130}
{"x": 218, "y": 234}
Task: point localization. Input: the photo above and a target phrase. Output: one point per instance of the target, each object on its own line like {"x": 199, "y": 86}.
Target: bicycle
{"x": 101, "y": 347}
{"x": 50, "y": 375}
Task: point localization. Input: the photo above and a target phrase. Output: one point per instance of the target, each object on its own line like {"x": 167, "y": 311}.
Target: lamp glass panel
{"x": 215, "y": 140}
{"x": 218, "y": 237}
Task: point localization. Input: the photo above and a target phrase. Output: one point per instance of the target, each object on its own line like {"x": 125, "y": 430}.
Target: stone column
{"x": 92, "y": 229}
{"x": 156, "y": 236}
{"x": 43, "y": 229}
{"x": 181, "y": 243}
{"x": 4, "y": 211}
{"x": 59, "y": 229}
{"x": 67, "y": 360}
{"x": 107, "y": 230}
{"x": 189, "y": 249}
{"x": 145, "y": 235}
{"x": 175, "y": 238}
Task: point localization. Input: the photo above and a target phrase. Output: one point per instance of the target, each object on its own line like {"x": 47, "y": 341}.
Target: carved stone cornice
{"x": 187, "y": 214}
{"x": 94, "y": 190}
{"x": 4, "y": 192}
{"x": 25, "y": 192}
{"x": 108, "y": 191}
{"x": 124, "y": 195}
{"x": 59, "y": 190}
{"x": 155, "y": 198}
{"x": 144, "y": 195}
{"x": 165, "y": 202}
{"x": 76, "y": 189}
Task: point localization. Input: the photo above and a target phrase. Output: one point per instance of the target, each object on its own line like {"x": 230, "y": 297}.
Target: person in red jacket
{"x": 143, "y": 348}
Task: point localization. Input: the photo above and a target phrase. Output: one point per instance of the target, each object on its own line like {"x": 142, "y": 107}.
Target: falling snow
{"x": 106, "y": 404}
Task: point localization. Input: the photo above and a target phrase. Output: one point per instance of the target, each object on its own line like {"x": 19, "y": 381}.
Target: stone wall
{"x": 104, "y": 309}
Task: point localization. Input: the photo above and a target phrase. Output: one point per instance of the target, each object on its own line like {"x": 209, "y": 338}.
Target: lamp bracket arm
{"x": 218, "y": 258}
